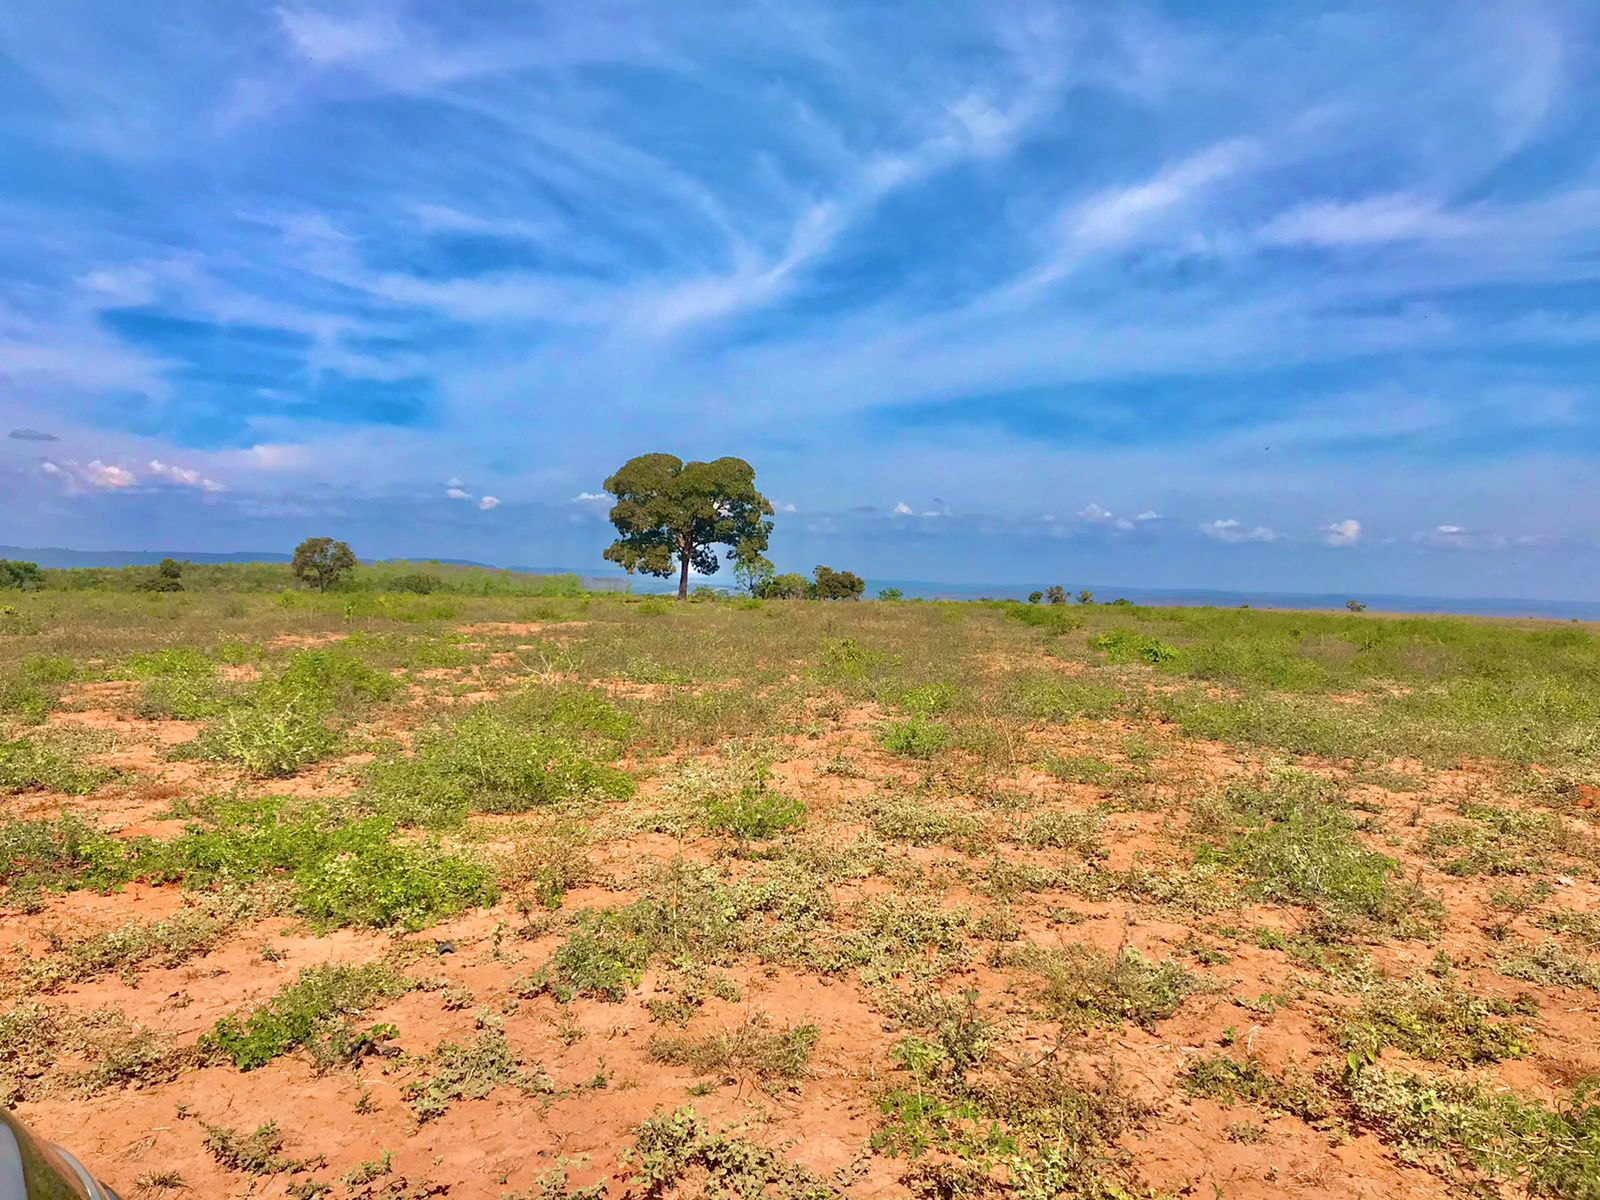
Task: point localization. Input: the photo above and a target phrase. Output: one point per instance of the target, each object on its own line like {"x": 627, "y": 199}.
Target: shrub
{"x": 754, "y": 813}
{"x": 1130, "y": 646}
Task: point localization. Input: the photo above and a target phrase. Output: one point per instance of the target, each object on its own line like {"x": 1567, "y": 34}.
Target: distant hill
{"x": 55, "y": 556}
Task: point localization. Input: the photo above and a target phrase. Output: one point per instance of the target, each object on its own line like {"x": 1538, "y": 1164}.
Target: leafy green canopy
{"x": 668, "y": 509}
{"x": 322, "y": 562}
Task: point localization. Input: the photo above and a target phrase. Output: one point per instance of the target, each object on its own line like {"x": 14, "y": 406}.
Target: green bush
{"x": 314, "y": 1012}
{"x": 483, "y": 763}
{"x": 754, "y": 813}
{"x": 914, "y": 738}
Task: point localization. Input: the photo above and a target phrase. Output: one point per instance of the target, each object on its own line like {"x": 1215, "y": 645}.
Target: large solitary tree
{"x": 322, "y": 562}
{"x": 668, "y": 509}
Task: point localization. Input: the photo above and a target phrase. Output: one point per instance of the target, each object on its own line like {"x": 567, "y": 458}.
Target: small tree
{"x": 891, "y": 593}
{"x": 789, "y": 586}
{"x": 168, "y": 577}
{"x": 837, "y": 585}
{"x": 1035, "y": 597}
{"x": 25, "y": 576}
{"x": 754, "y": 574}
{"x": 1086, "y": 597}
{"x": 668, "y": 508}
{"x": 322, "y": 562}
{"x": 1355, "y": 606}
{"x": 1056, "y": 594}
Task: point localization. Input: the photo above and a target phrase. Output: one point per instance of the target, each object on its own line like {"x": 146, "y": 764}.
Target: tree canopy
{"x": 322, "y": 562}
{"x": 837, "y": 585}
{"x": 668, "y": 509}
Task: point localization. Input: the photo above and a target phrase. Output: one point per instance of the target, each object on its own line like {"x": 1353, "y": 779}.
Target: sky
{"x": 1289, "y": 296}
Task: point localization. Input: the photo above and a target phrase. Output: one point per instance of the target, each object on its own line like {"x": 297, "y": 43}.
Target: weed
{"x": 669, "y": 1147}
{"x": 471, "y": 1072}
{"x": 257, "y": 1153}
{"x": 1221, "y": 1077}
{"x": 916, "y": 737}
{"x": 483, "y": 763}
{"x": 1298, "y": 843}
{"x": 314, "y": 1014}
{"x": 1077, "y": 831}
{"x": 1553, "y": 966}
{"x": 1454, "y": 1125}
{"x": 754, "y": 813}
{"x": 756, "y": 1049}
{"x": 28, "y": 765}
{"x": 1082, "y": 986}
{"x": 1439, "y": 1022}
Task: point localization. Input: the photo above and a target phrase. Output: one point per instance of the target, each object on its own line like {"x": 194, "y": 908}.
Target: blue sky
{"x": 1302, "y": 296}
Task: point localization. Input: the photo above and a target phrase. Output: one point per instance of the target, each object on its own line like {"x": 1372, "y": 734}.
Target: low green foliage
{"x": 1297, "y": 841}
{"x": 917, "y": 737}
{"x": 1552, "y": 965}
{"x": 192, "y": 930}
{"x": 1456, "y": 1125}
{"x": 355, "y": 873}
{"x": 678, "y": 1145}
{"x": 1039, "y": 697}
{"x": 1132, "y": 646}
{"x": 1081, "y": 986}
{"x": 1236, "y": 1081}
{"x": 472, "y": 1072}
{"x": 33, "y": 764}
{"x": 1440, "y": 1022}
{"x": 754, "y": 812}
{"x": 314, "y": 1013}
{"x": 258, "y": 1153}
{"x": 485, "y": 763}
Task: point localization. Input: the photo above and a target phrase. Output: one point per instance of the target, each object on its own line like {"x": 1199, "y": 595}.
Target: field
{"x": 395, "y": 895}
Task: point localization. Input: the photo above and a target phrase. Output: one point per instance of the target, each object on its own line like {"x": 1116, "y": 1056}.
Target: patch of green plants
{"x": 1080, "y": 832}
{"x": 57, "y": 853}
{"x": 484, "y": 763}
{"x": 1437, "y": 1021}
{"x": 920, "y": 819}
{"x": 916, "y": 737}
{"x": 314, "y": 1013}
{"x": 1461, "y": 1126}
{"x": 103, "y": 1047}
{"x": 36, "y": 765}
{"x": 676, "y": 1146}
{"x": 356, "y": 873}
{"x": 284, "y": 721}
{"x": 471, "y": 1072}
{"x": 1132, "y": 646}
{"x": 754, "y": 813}
{"x": 1552, "y": 965}
{"x": 257, "y": 1153}
{"x": 1080, "y": 986}
{"x": 1056, "y": 698}
{"x": 1297, "y": 841}
{"x": 1245, "y": 1081}
{"x": 192, "y": 930}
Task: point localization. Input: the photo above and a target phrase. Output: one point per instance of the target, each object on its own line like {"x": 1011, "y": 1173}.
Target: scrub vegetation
{"x": 443, "y": 881}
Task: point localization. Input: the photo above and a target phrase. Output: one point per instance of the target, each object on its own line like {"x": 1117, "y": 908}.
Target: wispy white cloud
{"x": 183, "y": 476}
{"x": 488, "y": 502}
{"x": 1233, "y": 532}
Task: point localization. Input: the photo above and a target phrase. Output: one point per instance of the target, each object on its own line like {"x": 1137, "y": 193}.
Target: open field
{"x": 394, "y": 895}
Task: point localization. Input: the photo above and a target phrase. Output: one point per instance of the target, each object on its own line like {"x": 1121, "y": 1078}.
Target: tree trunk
{"x": 683, "y": 574}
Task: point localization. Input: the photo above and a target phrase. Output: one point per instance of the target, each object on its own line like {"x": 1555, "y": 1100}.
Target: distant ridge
{"x": 55, "y": 556}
